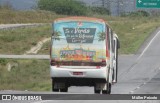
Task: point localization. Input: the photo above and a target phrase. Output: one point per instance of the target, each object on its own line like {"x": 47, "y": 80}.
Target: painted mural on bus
{"x": 81, "y": 41}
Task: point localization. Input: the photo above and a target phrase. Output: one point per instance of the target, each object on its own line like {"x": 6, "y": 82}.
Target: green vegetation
{"x": 132, "y": 32}
{"x": 3, "y": 61}
{"x": 37, "y": 16}
{"x": 70, "y": 7}
{"x": 32, "y": 75}
{"x": 17, "y": 41}
{"x": 139, "y": 13}
{"x": 65, "y": 7}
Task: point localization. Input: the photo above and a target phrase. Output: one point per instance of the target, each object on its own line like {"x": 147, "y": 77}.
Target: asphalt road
{"x": 138, "y": 74}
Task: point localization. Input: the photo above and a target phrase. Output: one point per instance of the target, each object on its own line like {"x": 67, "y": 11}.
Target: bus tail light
{"x": 103, "y": 63}
{"x": 53, "y": 62}
{"x": 107, "y": 53}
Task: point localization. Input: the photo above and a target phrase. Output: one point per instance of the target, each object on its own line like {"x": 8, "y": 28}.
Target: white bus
{"x": 84, "y": 52}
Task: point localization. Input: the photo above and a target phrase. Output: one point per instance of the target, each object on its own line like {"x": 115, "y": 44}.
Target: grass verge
{"x": 132, "y": 31}
{"x": 32, "y": 75}
{"x": 35, "y": 16}
{"x": 17, "y": 41}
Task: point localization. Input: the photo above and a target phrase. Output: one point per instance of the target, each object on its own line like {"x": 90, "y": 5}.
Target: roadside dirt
{"x": 35, "y": 49}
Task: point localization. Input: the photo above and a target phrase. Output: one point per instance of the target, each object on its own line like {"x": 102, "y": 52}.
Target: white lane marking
{"x": 137, "y": 61}
{"x": 138, "y": 87}
{"x": 131, "y": 92}
{"x": 148, "y": 46}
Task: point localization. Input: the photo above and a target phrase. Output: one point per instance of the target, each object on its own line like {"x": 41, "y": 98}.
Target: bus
{"x": 84, "y": 52}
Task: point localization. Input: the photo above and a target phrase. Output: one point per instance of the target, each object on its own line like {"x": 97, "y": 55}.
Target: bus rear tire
{"x": 53, "y": 87}
{"x": 108, "y": 91}
{"x": 65, "y": 89}
{"x": 97, "y": 91}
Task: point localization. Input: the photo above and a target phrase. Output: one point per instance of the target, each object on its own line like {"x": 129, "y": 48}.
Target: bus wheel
{"x": 108, "y": 91}
{"x": 97, "y": 91}
{"x": 53, "y": 86}
{"x": 65, "y": 89}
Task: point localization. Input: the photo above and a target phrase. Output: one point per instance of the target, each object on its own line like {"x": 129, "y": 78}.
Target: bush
{"x": 139, "y": 13}
{"x": 3, "y": 61}
{"x": 65, "y": 7}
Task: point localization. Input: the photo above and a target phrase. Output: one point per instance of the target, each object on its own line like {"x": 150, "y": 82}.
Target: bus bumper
{"x": 78, "y": 72}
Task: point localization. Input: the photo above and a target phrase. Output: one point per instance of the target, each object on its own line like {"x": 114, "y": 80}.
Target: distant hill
{"x": 20, "y": 4}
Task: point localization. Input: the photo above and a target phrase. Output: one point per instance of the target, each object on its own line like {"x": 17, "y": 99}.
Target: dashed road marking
{"x": 148, "y": 46}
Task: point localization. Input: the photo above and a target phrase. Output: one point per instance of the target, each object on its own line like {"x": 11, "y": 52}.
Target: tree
{"x": 65, "y": 7}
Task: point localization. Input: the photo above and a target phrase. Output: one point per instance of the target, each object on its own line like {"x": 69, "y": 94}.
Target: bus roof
{"x": 81, "y": 18}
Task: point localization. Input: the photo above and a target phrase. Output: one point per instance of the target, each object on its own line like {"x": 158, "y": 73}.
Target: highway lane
{"x": 151, "y": 87}
{"x": 143, "y": 71}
